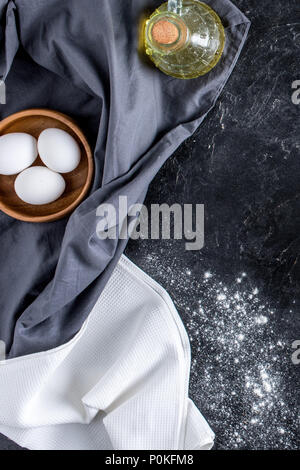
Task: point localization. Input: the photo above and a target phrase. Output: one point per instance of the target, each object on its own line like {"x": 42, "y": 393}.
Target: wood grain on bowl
{"x": 78, "y": 182}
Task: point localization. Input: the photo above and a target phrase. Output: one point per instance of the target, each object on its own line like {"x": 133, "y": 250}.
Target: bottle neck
{"x": 175, "y": 6}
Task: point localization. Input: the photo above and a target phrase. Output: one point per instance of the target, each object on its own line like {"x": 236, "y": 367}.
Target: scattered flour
{"x": 240, "y": 361}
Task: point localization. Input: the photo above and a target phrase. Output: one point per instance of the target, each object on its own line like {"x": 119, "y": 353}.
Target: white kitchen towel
{"x": 121, "y": 383}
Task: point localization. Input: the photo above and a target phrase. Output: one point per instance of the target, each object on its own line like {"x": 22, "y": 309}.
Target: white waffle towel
{"x": 120, "y": 384}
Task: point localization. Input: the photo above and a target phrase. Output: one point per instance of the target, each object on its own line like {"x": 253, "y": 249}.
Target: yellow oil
{"x": 199, "y": 43}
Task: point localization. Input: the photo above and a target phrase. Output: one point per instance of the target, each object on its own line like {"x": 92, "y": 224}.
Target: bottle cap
{"x": 165, "y": 32}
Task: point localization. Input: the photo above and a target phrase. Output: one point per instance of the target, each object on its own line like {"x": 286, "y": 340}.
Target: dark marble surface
{"x": 239, "y": 296}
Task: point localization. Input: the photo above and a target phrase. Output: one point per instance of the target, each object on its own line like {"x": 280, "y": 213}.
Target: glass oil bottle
{"x": 184, "y": 38}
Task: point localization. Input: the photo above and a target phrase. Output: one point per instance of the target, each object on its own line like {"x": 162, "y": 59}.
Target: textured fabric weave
{"x": 121, "y": 383}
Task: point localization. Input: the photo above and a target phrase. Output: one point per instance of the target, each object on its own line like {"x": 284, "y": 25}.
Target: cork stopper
{"x": 165, "y": 32}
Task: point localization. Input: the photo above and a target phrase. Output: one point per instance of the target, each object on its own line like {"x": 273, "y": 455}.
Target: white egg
{"x": 59, "y": 150}
{"x": 17, "y": 152}
{"x": 39, "y": 185}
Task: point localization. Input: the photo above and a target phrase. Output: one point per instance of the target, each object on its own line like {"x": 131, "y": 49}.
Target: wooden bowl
{"x": 78, "y": 182}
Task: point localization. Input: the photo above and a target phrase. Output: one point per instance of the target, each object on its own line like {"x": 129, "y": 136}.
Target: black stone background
{"x": 239, "y": 296}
